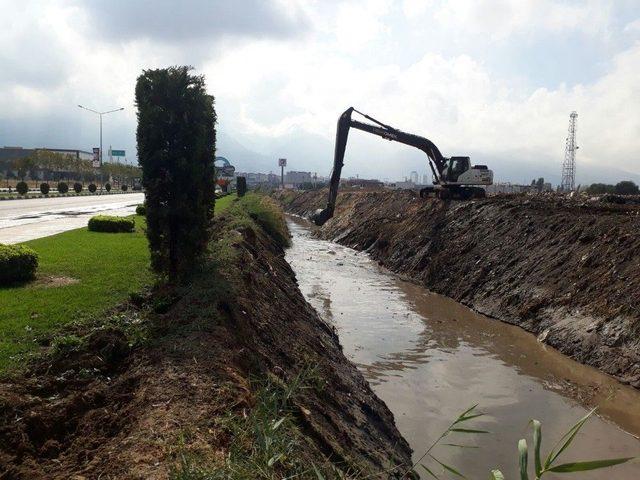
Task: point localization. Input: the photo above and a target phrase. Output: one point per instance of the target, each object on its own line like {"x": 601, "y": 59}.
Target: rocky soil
{"x": 118, "y": 406}
{"x": 567, "y": 270}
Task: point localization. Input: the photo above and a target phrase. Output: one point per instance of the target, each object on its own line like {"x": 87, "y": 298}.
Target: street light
{"x": 101, "y": 114}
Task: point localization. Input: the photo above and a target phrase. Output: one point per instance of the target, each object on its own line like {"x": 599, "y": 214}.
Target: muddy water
{"x": 429, "y": 358}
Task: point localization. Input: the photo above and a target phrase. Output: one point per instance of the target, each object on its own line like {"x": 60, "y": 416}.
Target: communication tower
{"x": 568, "y": 183}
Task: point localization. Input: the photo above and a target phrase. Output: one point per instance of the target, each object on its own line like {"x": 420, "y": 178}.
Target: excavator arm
{"x": 436, "y": 161}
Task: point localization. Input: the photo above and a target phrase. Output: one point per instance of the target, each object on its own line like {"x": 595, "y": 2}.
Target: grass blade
{"x": 460, "y": 446}
{"x": 468, "y": 430}
{"x": 524, "y": 454}
{"x": 496, "y": 475}
{"x": 278, "y": 423}
{"x": 447, "y": 467}
{"x": 537, "y": 441}
{"x": 468, "y": 410}
{"x": 590, "y": 465}
{"x": 566, "y": 440}
{"x": 317, "y": 472}
{"x": 429, "y": 471}
{"x": 468, "y": 417}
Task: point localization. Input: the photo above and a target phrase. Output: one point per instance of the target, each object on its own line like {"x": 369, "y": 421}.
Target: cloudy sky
{"x": 492, "y": 79}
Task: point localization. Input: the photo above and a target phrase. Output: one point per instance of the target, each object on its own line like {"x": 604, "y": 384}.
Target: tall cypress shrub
{"x": 241, "y": 185}
{"x": 176, "y": 148}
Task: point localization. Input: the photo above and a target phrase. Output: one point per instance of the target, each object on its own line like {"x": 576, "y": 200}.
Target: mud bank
{"x": 565, "y": 270}
{"x": 161, "y": 379}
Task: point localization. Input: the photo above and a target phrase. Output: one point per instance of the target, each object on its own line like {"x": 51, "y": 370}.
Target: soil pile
{"x": 565, "y": 269}
{"x": 155, "y": 382}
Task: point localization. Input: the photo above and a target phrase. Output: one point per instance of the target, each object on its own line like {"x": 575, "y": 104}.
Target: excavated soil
{"x": 113, "y": 408}
{"x": 567, "y": 270}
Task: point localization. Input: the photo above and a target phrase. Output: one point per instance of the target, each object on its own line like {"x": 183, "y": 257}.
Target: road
{"x": 22, "y": 220}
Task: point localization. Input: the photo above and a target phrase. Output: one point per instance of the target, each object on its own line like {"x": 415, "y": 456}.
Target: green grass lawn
{"x": 100, "y": 270}
{"x": 105, "y": 267}
{"x": 223, "y": 203}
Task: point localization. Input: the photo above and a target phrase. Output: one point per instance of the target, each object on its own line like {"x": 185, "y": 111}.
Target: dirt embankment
{"x": 162, "y": 379}
{"x": 566, "y": 270}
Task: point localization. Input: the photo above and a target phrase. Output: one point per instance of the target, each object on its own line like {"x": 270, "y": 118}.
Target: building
{"x": 79, "y": 154}
{"x": 413, "y": 177}
{"x": 297, "y": 178}
{"x": 362, "y": 183}
{"x": 9, "y": 154}
{"x": 260, "y": 179}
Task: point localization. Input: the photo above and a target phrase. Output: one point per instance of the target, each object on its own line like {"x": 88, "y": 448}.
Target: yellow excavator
{"x": 453, "y": 178}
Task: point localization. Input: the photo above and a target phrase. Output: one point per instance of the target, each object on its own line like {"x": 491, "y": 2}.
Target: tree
{"x": 23, "y": 165}
{"x": 626, "y": 187}
{"x": 241, "y": 185}
{"x": 176, "y": 149}
{"x": 600, "y": 188}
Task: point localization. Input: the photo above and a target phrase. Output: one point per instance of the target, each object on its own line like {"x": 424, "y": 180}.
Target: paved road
{"x": 22, "y": 220}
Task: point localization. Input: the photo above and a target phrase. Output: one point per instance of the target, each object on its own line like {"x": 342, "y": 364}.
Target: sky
{"x": 492, "y": 79}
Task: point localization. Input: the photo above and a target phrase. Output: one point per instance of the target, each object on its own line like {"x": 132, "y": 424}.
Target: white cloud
{"x": 499, "y": 19}
{"x": 413, "y": 8}
{"x": 454, "y": 101}
{"x": 358, "y": 23}
{"x": 633, "y": 27}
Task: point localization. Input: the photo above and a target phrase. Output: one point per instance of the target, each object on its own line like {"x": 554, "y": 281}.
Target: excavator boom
{"x": 436, "y": 161}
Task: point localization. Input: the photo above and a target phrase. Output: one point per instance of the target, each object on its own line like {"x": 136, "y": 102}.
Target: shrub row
{"x": 141, "y": 209}
{"x": 17, "y": 263}
{"x": 22, "y": 188}
{"x": 106, "y": 223}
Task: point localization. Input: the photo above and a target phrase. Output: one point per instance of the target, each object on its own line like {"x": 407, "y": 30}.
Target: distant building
{"x": 260, "y": 179}
{"x": 413, "y": 177}
{"x": 79, "y": 154}
{"x": 404, "y": 185}
{"x": 297, "y": 178}
{"x": 362, "y": 183}
{"x": 9, "y": 154}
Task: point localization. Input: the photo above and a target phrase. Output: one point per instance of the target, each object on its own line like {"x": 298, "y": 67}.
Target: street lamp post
{"x": 101, "y": 114}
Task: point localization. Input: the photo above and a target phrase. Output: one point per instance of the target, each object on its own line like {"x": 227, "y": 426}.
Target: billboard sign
{"x": 96, "y": 157}
{"x": 282, "y": 162}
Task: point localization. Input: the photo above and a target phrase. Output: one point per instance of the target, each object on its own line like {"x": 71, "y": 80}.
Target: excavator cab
{"x": 455, "y": 167}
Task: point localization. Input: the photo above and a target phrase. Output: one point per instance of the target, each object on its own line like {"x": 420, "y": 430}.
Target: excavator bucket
{"x": 342, "y": 133}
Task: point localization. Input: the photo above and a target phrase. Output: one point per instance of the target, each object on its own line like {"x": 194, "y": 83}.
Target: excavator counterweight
{"x": 452, "y": 177}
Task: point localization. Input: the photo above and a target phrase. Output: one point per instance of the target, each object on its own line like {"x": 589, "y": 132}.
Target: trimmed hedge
{"x": 141, "y": 209}
{"x": 17, "y": 263}
{"x": 63, "y": 187}
{"x": 22, "y": 188}
{"x": 106, "y": 223}
{"x": 44, "y": 188}
{"x": 77, "y": 187}
{"x": 107, "y": 187}
{"x": 241, "y": 185}
{"x": 125, "y": 187}
{"x": 92, "y": 188}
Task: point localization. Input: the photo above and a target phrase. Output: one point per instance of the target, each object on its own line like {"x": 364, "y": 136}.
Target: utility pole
{"x": 569, "y": 164}
{"x": 100, "y": 114}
